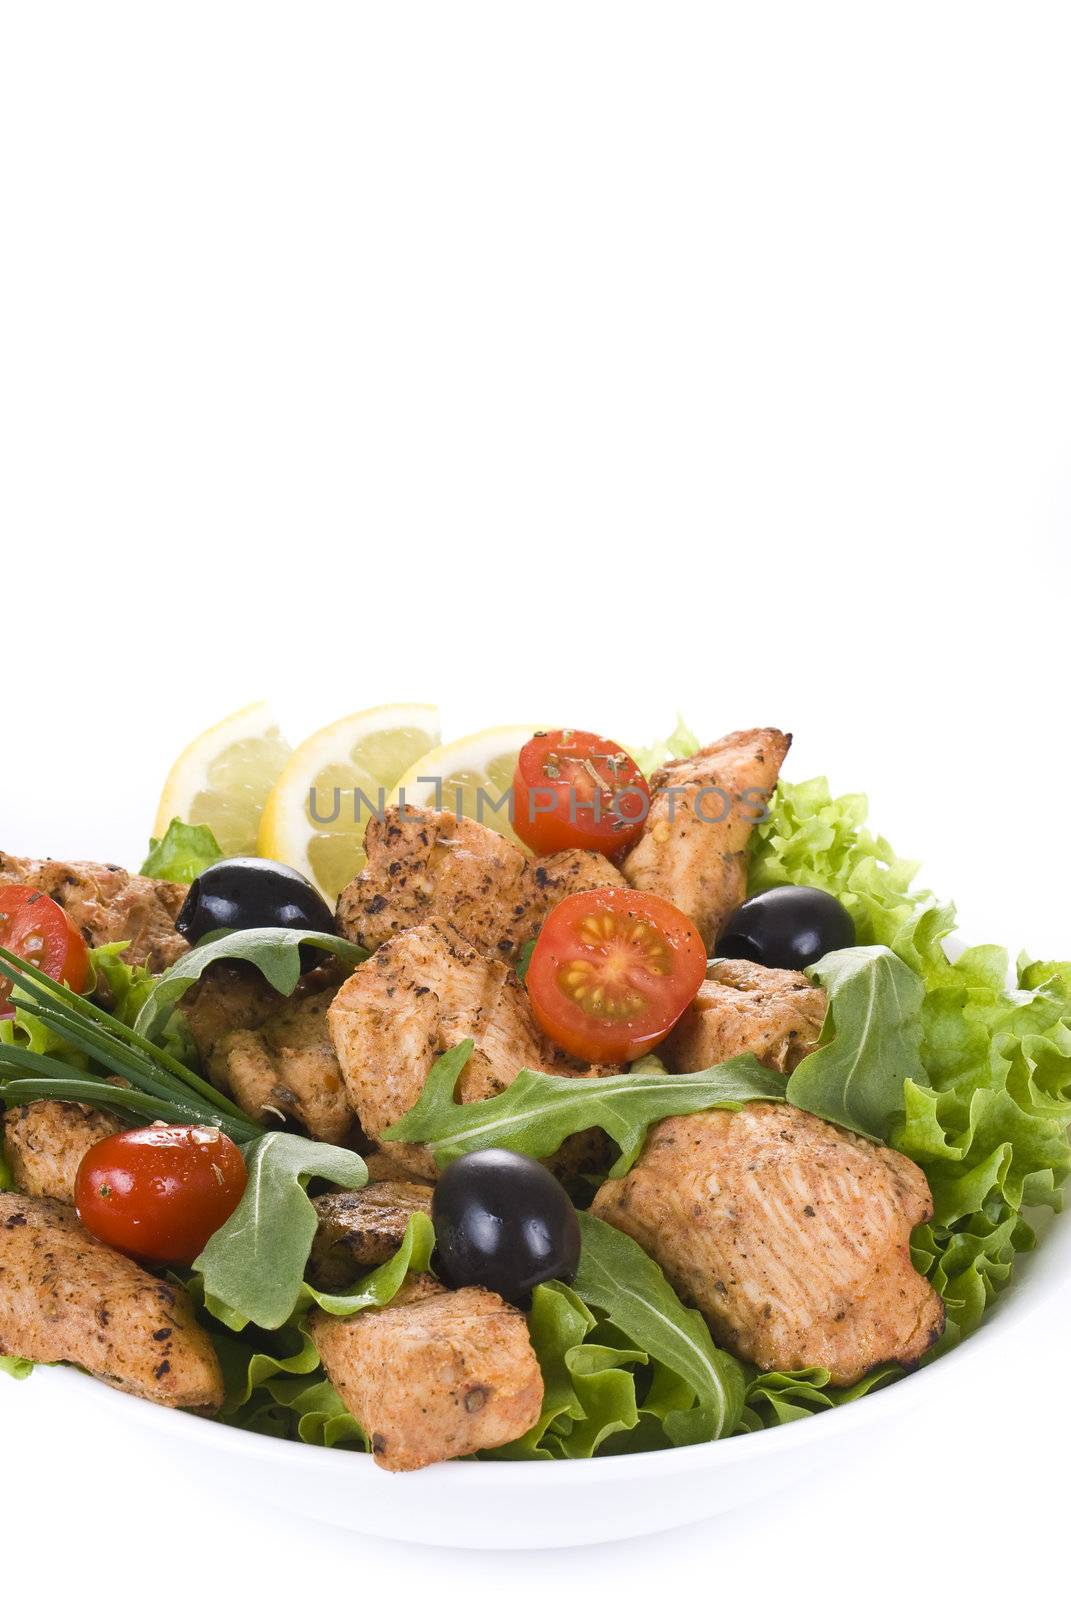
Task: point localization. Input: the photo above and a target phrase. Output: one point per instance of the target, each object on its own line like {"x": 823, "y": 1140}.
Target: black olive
{"x": 787, "y": 927}
{"x": 247, "y": 892}
{"x": 503, "y": 1221}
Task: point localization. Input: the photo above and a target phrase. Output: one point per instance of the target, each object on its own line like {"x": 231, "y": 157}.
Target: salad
{"x": 524, "y": 1098}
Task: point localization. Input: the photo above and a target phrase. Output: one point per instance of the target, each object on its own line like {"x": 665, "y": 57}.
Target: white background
{"x": 552, "y": 361}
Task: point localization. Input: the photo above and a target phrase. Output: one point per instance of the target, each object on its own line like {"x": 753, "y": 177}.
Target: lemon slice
{"x": 316, "y": 815}
{"x": 224, "y": 777}
{"x": 472, "y": 777}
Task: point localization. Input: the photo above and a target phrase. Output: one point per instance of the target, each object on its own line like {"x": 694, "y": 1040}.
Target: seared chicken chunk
{"x": 570, "y": 872}
{"x": 231, "y": 996}
{"x": 287, "y": 1070}
{"x": 435, "y": 1375}
{"x": 789, "y": 1235}
{"x": 46, "y": 1140}
{"x": 383, "y": 1168}
{"x": 107, "y": 904}
{"x": 774, "y": 1014}
{"x": 693, "y": 848}
{"x": 360, "y": 1228}
{"x": 423, "y": 991}
{"x": 66, "y": 1297}
{"x": 429, "y": 864}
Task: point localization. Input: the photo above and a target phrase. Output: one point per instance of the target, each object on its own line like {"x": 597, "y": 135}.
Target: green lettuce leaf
{"x": 776, "y": 1397}
{"x": 538, "y": 1110}
{"x": 378, "y": 1287}
{"x": 811, "y": 838}
{"x": 253, "y": 1267}
{"x": 970, "y": 1264}
{"x": 124, "y": 988}
{"x": 182, "y": 854}
{"x": 16, "y": 1366}
{"x": 317, "y": 1412}
{"x": 990, "y": 1126}
{"x": 990, "y": 1130}
{"x": 589, "y": 1388}
{"x": 681, "y": 742}
{"x": 275, "y": 952}
{"x": 253, "y": 1362}
{"x": 869, "y": 1047}
{"x": 29, "y": 1032}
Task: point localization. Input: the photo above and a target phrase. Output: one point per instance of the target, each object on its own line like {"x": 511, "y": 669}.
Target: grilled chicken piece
{"x": 741, "y": 1006}
{"x": 423, "y": 991}
{"x": 231, "y": 996}
{"x": 571, "y": 872}
{"x": 789, "y": 1235}
{"x": 107, "y": 904}
{"x": 46, "y": 1140}
{"x": 361, "y": 1228}
{"x": 383, "y": 1168}
{"x": 287, "y": 1070}
{"x": 689, "y": 852}
{"x": 66, "y": 1297}
{"x": 429, "y": 864}
{"x": 436, "y": 1374}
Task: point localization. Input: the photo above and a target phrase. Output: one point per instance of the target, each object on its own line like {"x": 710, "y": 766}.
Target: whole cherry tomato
{"x": 576, "y": 791}
{"x": 160, "y": 1193}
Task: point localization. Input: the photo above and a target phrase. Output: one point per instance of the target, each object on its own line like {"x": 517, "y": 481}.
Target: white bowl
{"x": 543, "y": 1504}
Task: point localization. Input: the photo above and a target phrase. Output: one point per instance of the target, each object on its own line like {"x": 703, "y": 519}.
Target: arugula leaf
{"x": 182, "y": 854}
{"x": 625, "y": 1365}
{"x": 538, "y": 1110}
{"x": 275, "y": 952}
{"x": 618, "y": 1278}
{"x": 253, "y": 1266}
{"x": 869, "y": 1046}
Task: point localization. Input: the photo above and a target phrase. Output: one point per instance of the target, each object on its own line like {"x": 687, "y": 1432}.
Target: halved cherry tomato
{"x": 34, "y": 927}
{"x": 611, "y": 972}
{"x": 576, "y": 791}
{"x": 160, "y": 1193}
